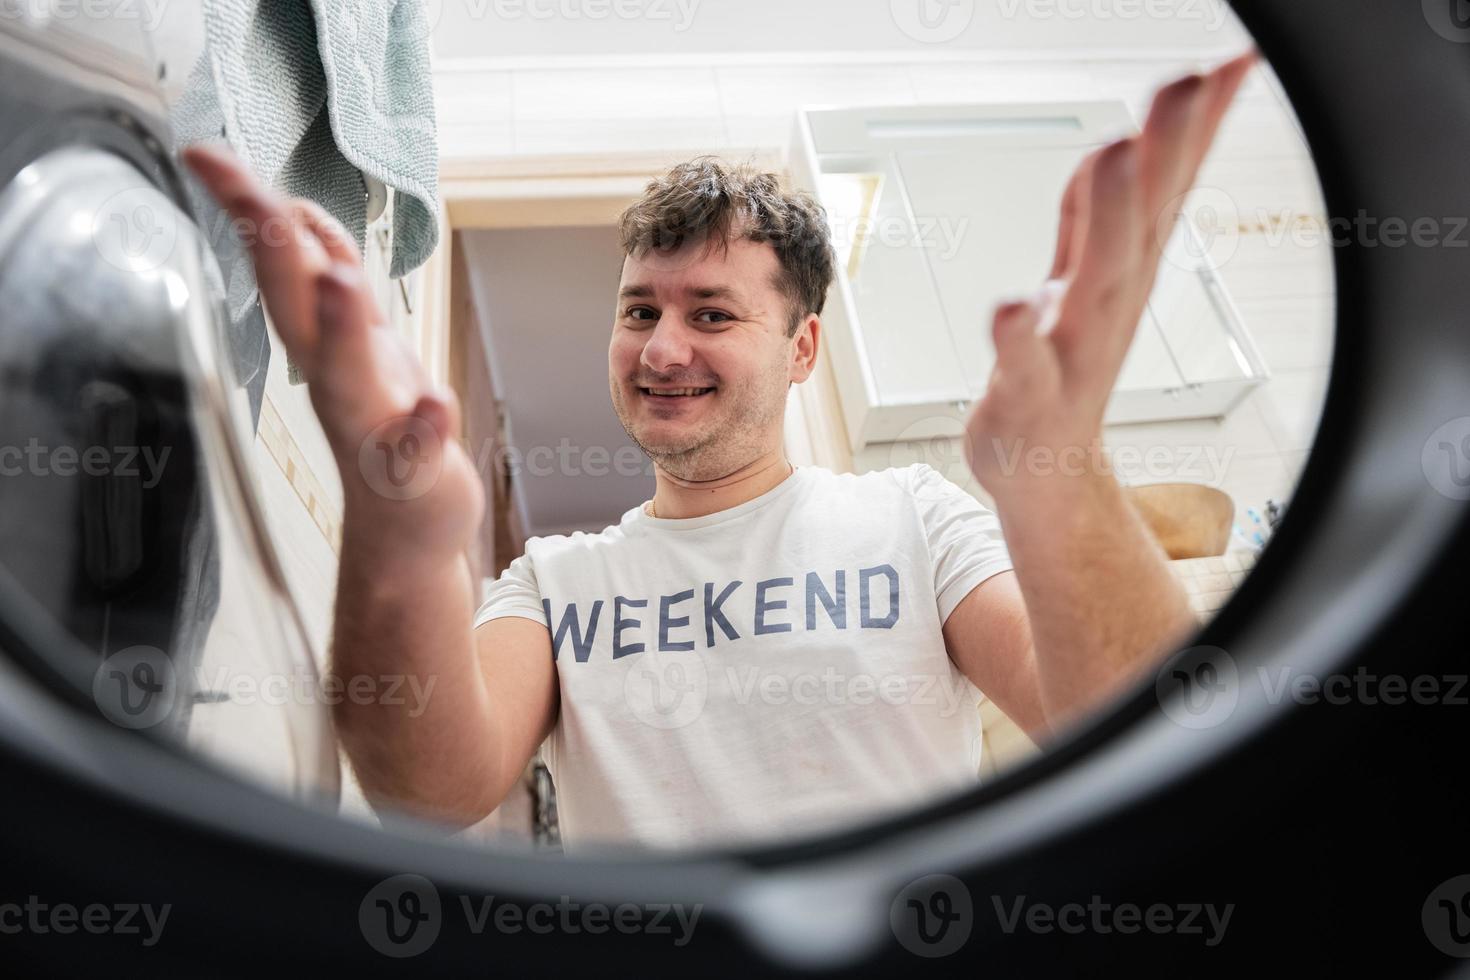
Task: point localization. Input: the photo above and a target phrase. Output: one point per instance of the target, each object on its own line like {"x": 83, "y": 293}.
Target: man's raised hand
{"x": 405, "y": 476}
{"x": 1059, "y": 352}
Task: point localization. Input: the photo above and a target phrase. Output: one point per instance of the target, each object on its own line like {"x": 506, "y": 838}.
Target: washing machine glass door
{"x": 127, "y": 507}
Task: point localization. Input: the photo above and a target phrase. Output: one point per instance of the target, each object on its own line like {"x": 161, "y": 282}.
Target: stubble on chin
{"x": 720, "y": 447}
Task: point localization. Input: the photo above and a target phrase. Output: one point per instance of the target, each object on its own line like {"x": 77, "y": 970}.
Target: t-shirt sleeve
{"x": 964, "y": 536}
{"x": 514, "y": 593}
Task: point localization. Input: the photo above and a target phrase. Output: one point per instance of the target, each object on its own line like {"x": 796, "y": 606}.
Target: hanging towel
{"x": 314, "y": 94}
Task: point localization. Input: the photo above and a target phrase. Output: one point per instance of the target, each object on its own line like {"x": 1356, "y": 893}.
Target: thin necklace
{"x": 652, "y": 512}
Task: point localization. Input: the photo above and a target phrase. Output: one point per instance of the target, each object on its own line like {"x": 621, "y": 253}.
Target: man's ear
{"x": 805, "y": 345}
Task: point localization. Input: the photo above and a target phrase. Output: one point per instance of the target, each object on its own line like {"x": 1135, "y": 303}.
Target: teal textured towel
{"x": 314, "y": 94}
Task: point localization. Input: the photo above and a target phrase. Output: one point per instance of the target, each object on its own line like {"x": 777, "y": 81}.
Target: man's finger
{"x": 1072, "y": 229}
{"x": 1227, "y": 79}
{"x": 346, "y": 314}
{"x": 287, "y": 257}
{"x": 1174, "y": 122}
{"x": 221, "y": 171}
{"x": 1181, "y": 129}
{"x": 1195, "y": 134}
{"x": 440, "y": 408}
{"x": 1025, "y": 368}
{"x": 334, "y": 238}
{"x": 1099, "y": 315}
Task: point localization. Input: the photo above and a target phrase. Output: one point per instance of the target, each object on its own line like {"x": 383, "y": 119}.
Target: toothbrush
{"x": 1240, "y": 533}
{"x": 1260, "y": 526}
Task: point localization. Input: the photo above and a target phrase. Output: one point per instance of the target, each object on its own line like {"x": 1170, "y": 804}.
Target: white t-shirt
{"x": 772, "y": 669}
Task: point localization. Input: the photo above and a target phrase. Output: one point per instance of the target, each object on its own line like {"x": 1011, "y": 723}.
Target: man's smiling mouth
{"x": 675, "y": 392}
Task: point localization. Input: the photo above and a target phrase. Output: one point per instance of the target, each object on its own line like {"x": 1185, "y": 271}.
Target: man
{"x": 762, "y": 649}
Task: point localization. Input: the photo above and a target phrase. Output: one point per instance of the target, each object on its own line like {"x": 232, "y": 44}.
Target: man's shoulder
{"x": 883, "y": 486}
{"x": 579, "y": 541}
{"x": 576, "y": 540}
{"x": 920, "y": 486}
{"x": 881, "y": 479}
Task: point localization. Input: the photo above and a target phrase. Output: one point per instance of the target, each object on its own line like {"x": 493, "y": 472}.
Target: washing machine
{"x": 130, "y": 531}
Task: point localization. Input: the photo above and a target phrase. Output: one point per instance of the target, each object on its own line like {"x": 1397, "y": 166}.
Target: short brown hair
{"x": 707, "y": 197}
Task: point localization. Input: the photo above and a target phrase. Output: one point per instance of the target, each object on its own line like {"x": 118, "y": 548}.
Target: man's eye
{"x": 636, "y": 313}
{"x": 715, "y": 313}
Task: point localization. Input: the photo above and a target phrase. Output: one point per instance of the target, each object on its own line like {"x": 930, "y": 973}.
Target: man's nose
{"x": 668, "y": 346}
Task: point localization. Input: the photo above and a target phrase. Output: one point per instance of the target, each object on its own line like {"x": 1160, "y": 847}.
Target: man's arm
{"x": 1095, "y": 593}
{"x": 1100, "y": 603}
{"x": 489, "y": 700}
{"x": 412, "y": 502}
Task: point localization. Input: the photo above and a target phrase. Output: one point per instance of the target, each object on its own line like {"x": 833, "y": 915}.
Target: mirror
{"x": 777, "y": 667}
{"x": 953, "y": 176}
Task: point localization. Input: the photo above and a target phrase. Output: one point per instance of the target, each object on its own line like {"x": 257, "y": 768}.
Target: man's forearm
{"x": 403, "y": 625}
{"x": 1102, "y": 603}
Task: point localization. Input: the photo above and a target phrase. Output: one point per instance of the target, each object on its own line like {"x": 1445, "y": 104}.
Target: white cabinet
{"x": 939, "y": 213}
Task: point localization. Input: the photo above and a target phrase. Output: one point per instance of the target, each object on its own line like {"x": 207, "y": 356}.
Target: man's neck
{"x": 678, "y": 499}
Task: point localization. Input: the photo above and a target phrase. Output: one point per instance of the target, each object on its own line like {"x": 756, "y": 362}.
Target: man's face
{"x": 711, "y": 320}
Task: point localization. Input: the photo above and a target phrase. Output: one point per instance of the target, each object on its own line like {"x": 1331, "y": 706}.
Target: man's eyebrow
{"x": 642, "y": 291}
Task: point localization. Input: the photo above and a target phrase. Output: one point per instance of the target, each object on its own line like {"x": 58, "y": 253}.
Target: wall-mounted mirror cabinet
{"x": 938, "y": 213}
